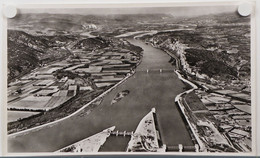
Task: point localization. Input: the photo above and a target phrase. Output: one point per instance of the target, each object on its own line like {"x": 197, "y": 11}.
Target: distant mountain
{"x": 52, "y": 24}
{"x": 212, "y": 19}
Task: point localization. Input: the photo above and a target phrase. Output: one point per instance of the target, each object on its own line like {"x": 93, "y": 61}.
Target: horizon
{"x": 174, "y": 11}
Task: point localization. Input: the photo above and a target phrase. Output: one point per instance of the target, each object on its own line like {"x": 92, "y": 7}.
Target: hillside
{"x": 26, "y": 52}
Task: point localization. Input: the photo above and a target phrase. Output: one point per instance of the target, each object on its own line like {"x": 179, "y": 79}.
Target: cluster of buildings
{"x": 179, "y": 50}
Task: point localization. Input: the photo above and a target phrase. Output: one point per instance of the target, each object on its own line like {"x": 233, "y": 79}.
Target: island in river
{"x": 120, "y": 96}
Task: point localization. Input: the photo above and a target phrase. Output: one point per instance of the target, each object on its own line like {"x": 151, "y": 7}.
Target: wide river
{"x": 147, "y": 90}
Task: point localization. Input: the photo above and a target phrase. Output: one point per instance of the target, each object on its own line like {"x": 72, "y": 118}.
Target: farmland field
{"x": 56, "y": 101}
{"x": 31, "y": 102}
{"x": 244, "y": 108}
{"x": 15, "y": 115}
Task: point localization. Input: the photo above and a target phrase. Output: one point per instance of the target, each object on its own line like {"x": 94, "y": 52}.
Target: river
{"x": 147, "y": 90}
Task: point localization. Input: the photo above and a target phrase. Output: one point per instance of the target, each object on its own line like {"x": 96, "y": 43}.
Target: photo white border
{"x": 126, "y": 4}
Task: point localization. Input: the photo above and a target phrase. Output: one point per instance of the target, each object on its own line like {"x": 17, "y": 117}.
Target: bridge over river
{"x": 147, "y": 90}
{"x": 155, "y": 70}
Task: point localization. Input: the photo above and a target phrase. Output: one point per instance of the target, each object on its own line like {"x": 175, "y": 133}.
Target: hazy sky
{"x": 176, "y": 11}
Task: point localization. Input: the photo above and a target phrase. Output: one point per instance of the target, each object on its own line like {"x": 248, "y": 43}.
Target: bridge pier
{"x": 196, "y": 147}
{"x": 124, "y": 133}
{"x": 180, "y": 147}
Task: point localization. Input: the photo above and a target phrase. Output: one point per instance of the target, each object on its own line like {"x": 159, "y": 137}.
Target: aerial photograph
{"x": 129, "y": 79}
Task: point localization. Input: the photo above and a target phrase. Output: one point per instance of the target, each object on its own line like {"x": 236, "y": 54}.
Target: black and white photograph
{"x": 130, "y": 78}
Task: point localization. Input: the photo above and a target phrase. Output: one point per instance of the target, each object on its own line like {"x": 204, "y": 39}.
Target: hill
{"x": 26, "y": 52}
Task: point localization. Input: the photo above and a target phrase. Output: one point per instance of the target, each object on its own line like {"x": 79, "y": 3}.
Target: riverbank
{"x": 192, "y": 128}
{"x": 186, "y": 116}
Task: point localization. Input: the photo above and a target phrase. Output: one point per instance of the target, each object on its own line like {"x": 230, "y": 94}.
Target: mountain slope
{"x": 26, "y": 52}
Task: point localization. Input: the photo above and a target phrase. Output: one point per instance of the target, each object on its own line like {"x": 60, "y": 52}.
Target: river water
{"x": 147, "y": 90}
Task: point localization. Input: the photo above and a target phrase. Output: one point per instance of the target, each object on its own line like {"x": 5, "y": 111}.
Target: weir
{"x": 120, "y": 133}
{"x": 181, "y": 148}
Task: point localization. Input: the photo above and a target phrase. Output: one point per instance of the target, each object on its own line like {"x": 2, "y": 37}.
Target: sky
{"x": 175, "y": 11}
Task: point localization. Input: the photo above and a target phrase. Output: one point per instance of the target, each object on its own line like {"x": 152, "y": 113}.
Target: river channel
{"x": 147, "y": 90}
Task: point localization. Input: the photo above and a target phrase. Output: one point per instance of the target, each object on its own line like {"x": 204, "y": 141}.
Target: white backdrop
{"x": 17, "y": 2}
